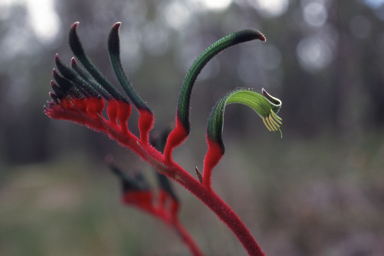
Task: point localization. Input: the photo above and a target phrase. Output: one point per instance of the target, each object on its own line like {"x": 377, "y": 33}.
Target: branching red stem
{"x": 206, "y": 195}
{"x": 219, "y": 207}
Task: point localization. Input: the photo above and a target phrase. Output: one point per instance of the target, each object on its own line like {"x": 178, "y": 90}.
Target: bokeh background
{"x": 317, "y": 191}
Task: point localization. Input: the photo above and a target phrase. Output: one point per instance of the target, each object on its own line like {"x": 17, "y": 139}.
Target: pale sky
{"x": 41, "y": 15}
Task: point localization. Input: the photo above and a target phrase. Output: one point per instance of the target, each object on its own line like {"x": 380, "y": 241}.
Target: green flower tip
{"x": 265, "y": 105}
{"x": 271, "y": 120}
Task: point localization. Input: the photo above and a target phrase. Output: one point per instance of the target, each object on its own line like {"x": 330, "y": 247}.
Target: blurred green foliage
{"x": 319, "y": 197}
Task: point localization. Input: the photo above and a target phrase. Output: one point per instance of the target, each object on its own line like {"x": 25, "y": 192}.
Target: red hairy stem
{"x": 205, "y": 194}
{"x": 212, "y": 158}
{"x": 217, "y": 205}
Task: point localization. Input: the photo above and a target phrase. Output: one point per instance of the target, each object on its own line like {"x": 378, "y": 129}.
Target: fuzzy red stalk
{"x": 73, "y": 110}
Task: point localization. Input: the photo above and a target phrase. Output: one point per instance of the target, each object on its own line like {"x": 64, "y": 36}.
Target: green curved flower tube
{"x": 265, "y": 105}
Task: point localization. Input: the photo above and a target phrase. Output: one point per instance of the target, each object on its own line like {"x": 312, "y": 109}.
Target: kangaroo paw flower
{"x": 81, "y": 94}
{"x": 182, "y": 128}
{"x": 262, "y": 103}
{"x": 146, "y": 118}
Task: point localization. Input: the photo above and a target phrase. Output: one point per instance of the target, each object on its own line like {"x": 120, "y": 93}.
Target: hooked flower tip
{"x": 75, "y": 25}
{"x": 272, "y": 121}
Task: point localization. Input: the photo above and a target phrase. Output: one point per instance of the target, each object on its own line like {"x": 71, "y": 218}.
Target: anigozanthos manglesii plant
{"x": 80, "y": 94}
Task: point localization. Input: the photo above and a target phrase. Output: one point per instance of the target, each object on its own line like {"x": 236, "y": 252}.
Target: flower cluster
{"x": 81, "y": 94}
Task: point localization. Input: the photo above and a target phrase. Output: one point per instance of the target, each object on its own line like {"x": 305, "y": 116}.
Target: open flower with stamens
{"x": 271, "y": 120}
{"x": 262, "y": 103}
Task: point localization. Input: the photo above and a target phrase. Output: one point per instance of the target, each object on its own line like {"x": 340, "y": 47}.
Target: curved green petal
{"x": 78, "y": 50}
{"x": 114, "y": 55}
{"x": 216, "y": 48}
{"x": 265, "y": 105}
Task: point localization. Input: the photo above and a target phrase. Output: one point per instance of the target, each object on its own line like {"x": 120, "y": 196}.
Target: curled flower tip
{"x": 75, "y": 24}
{"x": 73, "y": 61}
{"x": 78, "y": 51}
{"x": 114, "y": 55}
{"x": 262, "y": 103}
{"x": 146, "y": 116}
{"x": 275, "y": 102}
{"x": 273, "y": 122}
